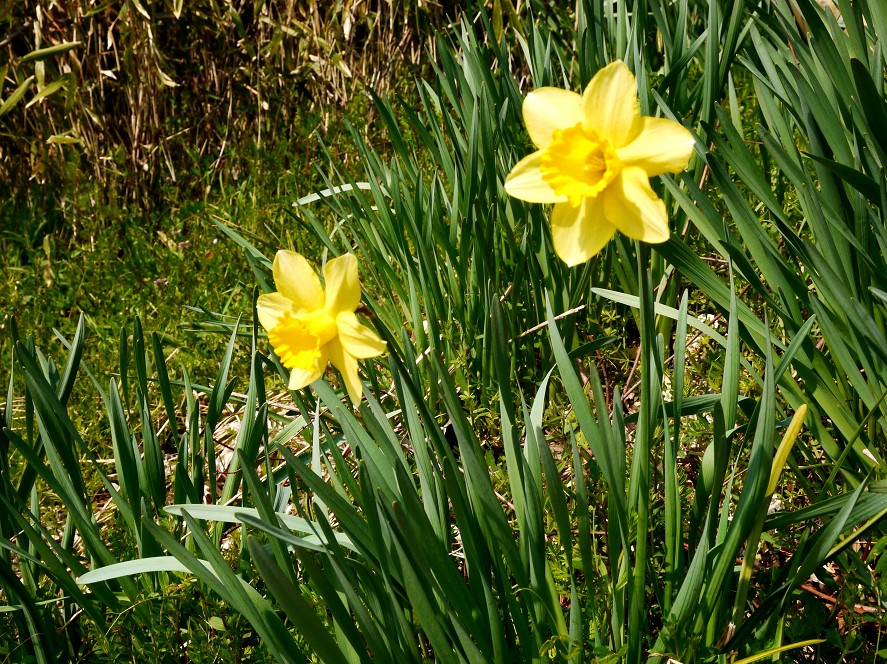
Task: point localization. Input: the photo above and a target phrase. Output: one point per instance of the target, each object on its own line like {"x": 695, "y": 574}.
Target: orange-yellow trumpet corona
{"x": 308, "y": 327}
{"x": 595, "y": 159}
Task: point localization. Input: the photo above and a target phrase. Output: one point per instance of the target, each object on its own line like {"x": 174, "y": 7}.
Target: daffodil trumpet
{"x": 309, "y": 326}
{"x": 595, "y": 159}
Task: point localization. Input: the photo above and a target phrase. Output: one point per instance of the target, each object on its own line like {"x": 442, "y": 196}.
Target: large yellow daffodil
{"x": 309, "y": 327}
{"x": 596, "y": 155}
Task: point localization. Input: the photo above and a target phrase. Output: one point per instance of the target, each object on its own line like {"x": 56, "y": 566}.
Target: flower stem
{"x": 639, "y": 485}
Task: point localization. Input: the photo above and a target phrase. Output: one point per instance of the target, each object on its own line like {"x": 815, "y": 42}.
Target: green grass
{"x": 168, "y": 269}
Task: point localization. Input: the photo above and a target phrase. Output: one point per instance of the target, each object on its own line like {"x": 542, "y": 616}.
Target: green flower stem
{"x": 639, "y": 486}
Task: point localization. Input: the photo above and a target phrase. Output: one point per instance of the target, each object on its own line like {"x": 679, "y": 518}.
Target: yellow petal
{"x": 300, "y": 378}
{"x": 579, "y": 232}
{"x": 610, "y": 103}
{"x": 347, "y": 366}
{"x": 342, "y": 284}
{"x": 296, "y": 279}
{"x": 549, "y": 109}
{"x": 271, "y": 307}
{"x": 663, "y": 146}
{"x": 525, "y": 182}
{"x": 358, "y": 340}
{"x": 633, "y": 207}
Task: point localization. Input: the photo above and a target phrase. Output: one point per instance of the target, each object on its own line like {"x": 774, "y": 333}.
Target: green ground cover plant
{"x": 545, "y": 464}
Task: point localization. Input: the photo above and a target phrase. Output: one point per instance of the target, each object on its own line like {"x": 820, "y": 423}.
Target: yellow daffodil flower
{"x": 596, "y": 155}
{"x": 308, "y": 327}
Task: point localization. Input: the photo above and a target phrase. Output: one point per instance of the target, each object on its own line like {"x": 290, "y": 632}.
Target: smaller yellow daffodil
{"x": 596, "y": 156}
{"x": 308, "y": 327}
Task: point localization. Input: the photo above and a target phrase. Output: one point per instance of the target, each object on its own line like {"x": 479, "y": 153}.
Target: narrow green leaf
{"x": 49, "y": 51}
{"x": 16, "y": 96}
{"x": 66, "y": 384}
{"x": 775, "y": 651}
{"x": 164, "y": 383}
{"x": 856, "y": 179}
{"x": 134, "y": 567}
{"x": 302, "y": 615}
{"x": 126, "y": 458}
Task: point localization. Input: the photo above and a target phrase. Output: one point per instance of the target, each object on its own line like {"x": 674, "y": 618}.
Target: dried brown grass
{"x": 149, "y": 95}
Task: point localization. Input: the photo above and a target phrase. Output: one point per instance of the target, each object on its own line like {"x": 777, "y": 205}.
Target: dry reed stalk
{"x": 145, "y": 96}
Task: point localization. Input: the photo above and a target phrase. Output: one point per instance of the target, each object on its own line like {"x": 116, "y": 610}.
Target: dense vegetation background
{"x": 124, "y": 130}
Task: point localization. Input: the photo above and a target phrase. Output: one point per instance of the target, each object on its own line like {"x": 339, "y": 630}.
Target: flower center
{"x": 579, "y": 164}
{"x": 297, "y": 339}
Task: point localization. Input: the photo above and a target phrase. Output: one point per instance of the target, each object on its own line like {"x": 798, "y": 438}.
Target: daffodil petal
{"x": 271, "y": 307}
{"x": 610, "y": 105}
{"x": 549, "y": 109}
{"x": 342, "y": 284}
{"x": 580, "y": 232}
{"x": 347, "y": 366}
{"x": 631, "y": 205}
{"x": 300, "y": 378}
{"x": 358, "y": 340}
{"x": 525, "y": 182}
{"x": 663, "y": 146}
{"x": 296, "y": 279}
